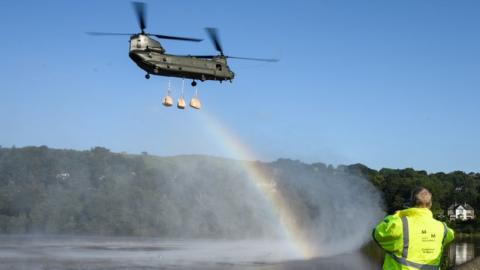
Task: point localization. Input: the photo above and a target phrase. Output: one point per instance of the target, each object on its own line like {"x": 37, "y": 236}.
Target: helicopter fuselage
{"x": 150, "y": 56}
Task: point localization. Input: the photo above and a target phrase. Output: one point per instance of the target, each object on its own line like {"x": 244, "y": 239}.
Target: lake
{"x": 463, "y": 250}
{"x": 102, "y": 253}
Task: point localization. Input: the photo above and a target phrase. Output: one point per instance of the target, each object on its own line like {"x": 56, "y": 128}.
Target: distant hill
{"x": 45, "y": 190}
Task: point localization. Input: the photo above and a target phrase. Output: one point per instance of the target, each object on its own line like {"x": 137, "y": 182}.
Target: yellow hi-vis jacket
{"x": 412, "y": 239}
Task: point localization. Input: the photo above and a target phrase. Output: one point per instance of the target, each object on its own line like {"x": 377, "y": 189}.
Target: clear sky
{"x": 384, "y": 83}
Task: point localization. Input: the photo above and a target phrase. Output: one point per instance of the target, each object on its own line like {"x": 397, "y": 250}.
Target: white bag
{"x": 195, "y": 103}
{"x": 181, "y": 103}
{"x": 167, "y": 101}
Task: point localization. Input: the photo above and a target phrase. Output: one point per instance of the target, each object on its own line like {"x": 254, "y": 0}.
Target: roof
{"x": 464, "y": 205}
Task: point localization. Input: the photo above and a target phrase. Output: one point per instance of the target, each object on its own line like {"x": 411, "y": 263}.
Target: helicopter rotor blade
{"x": 235, "y": 57}
{"x": 213, "y": 35}
{"x": 107, "y": 34}
{"x": 155, "y": 35}
{"x": 176, "y": 38}
{"x": 253, "y": 59}
{"x": 203, "y": 56}
{"x": 140, "y": 12}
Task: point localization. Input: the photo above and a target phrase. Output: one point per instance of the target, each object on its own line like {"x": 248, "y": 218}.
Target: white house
{"x": 460, "y": 212}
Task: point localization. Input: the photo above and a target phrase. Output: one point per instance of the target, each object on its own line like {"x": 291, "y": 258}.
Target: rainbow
{"x": 280, "y": 207}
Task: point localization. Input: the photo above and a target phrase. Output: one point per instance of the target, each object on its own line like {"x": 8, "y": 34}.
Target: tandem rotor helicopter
{"x": 150, "y": 56}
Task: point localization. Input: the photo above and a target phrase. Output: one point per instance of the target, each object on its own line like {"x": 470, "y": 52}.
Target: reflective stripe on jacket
{"x": 412, "y": 239}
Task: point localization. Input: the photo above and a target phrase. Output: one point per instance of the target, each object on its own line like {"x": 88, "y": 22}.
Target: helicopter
{"x": 150, "y": 56}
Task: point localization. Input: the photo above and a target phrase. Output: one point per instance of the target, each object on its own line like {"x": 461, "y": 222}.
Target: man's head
{"x": 421, "y": 198}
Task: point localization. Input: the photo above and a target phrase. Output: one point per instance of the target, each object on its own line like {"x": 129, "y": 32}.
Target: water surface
{"x": 95, "y": 253}
{"x": 463, "y": 250}
{"x": 102, "y": 253}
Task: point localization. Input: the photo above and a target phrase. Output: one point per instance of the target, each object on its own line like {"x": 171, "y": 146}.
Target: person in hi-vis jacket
{"x": 412, "y": 239}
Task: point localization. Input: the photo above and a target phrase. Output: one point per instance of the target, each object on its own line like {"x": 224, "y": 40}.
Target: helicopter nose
{"x": 135, "y": 57}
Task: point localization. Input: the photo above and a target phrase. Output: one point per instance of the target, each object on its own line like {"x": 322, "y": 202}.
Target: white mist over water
{"x": 337, "y": 210}
{"x": 217, "y": 199}
{"x": 214, "y": 210}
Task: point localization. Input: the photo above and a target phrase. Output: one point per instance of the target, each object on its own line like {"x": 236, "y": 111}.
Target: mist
{"x": 216, "y": 198}
{"x": 201, "y": 198}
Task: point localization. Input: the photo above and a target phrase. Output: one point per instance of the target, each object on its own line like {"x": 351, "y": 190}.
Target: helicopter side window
{"x": 139, "y": 43}
{"x": 219, "y": 67}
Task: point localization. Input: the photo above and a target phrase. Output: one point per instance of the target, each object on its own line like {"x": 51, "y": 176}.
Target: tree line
{"x": 447, "y": 188}
{"x": 45, "y": 190}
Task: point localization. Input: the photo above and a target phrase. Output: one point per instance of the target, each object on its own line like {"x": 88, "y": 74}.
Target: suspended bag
{"x": 181, "y": 103}
{"x": 167, "y": 101}
{"x": 181, "y": 100}
{"x": 195, "y": 102}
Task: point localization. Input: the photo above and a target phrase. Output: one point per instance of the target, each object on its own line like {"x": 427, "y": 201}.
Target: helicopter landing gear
{"x": 147, "y": 76}
{"x": 194, "y": 83}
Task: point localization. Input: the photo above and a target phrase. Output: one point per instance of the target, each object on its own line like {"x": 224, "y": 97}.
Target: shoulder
{"x": 390, "y": 223}
{"x": 393, "y": 218}
{"x": 440, "y": 223}
{"x": 444, "y": 227}
{"x": 448, "y": 233}
{"x": 388, "y": 230}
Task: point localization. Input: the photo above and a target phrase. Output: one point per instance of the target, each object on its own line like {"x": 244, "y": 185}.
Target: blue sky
{"x": 384, "y": 83}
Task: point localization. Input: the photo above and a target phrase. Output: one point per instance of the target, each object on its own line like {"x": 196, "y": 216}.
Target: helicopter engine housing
{"x": 143, "y": 42}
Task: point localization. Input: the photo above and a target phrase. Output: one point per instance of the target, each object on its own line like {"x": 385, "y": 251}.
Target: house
{"x": 460, "y": 212}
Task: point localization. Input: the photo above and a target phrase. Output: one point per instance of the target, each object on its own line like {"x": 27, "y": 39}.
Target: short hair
{"x": 421, "y": 197}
